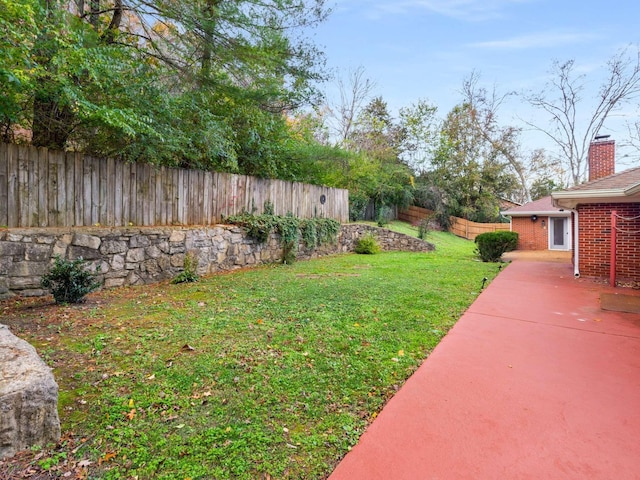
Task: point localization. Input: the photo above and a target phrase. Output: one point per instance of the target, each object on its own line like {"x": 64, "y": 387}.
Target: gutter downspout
{"x": 576, "y": 245}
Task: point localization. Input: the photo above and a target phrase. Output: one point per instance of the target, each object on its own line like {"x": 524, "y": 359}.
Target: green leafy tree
{"x": 468, "y": 175}
{"x": 200, "y": 84}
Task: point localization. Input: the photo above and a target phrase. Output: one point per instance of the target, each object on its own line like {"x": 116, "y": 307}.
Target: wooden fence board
{"x": 23, "y": 184}
{"x": 13, "y": 197}
{"x": 86, "y": 191}
{"x": 46, "y": 188}
{"x": 33, "y": 179}
{"x": 4, "y": 182}
{"x": 78, "y": 163}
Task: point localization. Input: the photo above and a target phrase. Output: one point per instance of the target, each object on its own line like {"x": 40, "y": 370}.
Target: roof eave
{"x": 549, "y": 213}
{"x": 570, "y": 199}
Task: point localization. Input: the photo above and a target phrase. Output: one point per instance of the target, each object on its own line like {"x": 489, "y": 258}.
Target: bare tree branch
{"x": 571, "y": 135}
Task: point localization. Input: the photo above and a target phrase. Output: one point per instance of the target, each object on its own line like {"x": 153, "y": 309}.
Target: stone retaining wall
{"x": 141, "y": 255}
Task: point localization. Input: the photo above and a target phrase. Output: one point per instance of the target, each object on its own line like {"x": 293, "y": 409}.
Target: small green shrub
{"x": 190, "y": 273}
{"x": 69, "y": 281}
{"x": 385, "y": 214}
{"x": 367, "y": 244}
{"x": 269, "y": 208}
{"x": 492, "y": 245}
{"x": 424, "y": 227}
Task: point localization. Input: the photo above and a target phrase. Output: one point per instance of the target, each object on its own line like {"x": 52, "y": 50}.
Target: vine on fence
{"x": 313, "y": 231}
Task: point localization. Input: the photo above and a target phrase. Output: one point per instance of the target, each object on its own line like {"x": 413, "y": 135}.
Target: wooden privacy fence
{"x": 46, "y": 188}
{"x": 459, "y": 226}
{"x": 413, "y": 214}
{"x": 470, "y": 230}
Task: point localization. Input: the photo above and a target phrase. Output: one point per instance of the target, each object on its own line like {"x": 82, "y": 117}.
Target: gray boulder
{"x": 28, "y": 397}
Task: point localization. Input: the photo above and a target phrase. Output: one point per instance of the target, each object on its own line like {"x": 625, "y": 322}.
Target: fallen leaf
{"x": 131, "y": 403}
{"x": 151, "y": 377}
{"x": 131, "y": 414}
{"x": 401, "y": 353}
{"x": 187, "y": 348}
{"x": 108, "y": 456}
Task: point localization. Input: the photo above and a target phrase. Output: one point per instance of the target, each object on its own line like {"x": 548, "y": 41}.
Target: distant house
{"x": 606, "y": 212}
{"x": 541, "y": 226}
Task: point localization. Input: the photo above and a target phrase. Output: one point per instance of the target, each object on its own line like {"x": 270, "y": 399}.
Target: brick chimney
{"x": 602, "y": 157}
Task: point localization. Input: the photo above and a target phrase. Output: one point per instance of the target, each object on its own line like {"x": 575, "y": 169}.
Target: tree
{"x": 138, "y": 79}
{"x": 354, "y": 92}
{"x": 420, "y": 127}
{"x": 545, "y": 175}
{"x": 503, "y": 140}
{"x": 562, "y": 99}
{"x": 468, "y": 175}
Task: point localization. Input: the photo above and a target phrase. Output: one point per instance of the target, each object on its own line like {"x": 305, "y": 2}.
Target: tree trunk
{"x": 52, "y": 122}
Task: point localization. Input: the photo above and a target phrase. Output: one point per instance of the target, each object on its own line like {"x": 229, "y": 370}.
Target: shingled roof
{"x": 542, "y": 206}
{"x": 623, "y": 187}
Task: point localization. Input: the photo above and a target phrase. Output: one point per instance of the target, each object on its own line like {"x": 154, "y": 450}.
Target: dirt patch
{"x": 326, "y": 275}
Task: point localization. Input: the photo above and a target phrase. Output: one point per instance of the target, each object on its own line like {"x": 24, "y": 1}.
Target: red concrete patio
{"x": 535, "y": 381}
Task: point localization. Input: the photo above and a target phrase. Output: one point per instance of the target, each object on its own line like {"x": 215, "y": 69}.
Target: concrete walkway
{"x": 535, "y": 381}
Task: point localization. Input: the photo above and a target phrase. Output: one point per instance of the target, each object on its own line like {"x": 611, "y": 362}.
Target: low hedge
{"x": 492, "y": 245}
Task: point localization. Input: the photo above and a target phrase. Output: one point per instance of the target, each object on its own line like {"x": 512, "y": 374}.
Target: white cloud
{"x": 536, "y": 40}
{"x": 467, "y": 10}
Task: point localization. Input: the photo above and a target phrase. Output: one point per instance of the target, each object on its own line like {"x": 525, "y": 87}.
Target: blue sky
{"x": 423, "y": 49}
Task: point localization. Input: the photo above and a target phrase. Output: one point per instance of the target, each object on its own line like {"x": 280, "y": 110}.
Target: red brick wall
{"x": 531, "y": 235}
{"x": 595, "y": 240}
{"x": 602, "y": 159}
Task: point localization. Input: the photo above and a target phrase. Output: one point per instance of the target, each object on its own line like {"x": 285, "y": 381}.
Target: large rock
{"x": 28, "y": 397}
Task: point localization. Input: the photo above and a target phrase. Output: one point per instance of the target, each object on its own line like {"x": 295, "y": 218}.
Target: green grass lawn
{"x": 272, "y": 372}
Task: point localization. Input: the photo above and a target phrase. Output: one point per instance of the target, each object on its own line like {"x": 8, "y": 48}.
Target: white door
{"x": 559, "y": 233}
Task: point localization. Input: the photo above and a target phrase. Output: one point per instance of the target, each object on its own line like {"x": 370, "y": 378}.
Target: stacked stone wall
{"x": 142, "y": 255}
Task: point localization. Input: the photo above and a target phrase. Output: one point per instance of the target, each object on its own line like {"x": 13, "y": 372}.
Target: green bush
{"x": 69, "y": 281}
{"x": 189, "y": 274}
{"x": 424, "y": 227}
{"x": 367, "y": 244}
{"x": 492, "y": 245}
{"x": 313, "y": 231}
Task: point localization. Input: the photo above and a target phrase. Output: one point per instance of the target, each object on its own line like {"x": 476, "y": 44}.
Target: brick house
{"x": 606, "y": 213}
{"x": 541, "y": 226}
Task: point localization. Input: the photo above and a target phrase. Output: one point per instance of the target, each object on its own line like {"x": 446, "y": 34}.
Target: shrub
{"x": 367, "y": 244}
{"x": 189, "y": 274}
{"x": 492, "y": 245}
{"x": 69, "y": 281}
{"x": 424, "y": 227}
{"x": 313, "y": 231}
